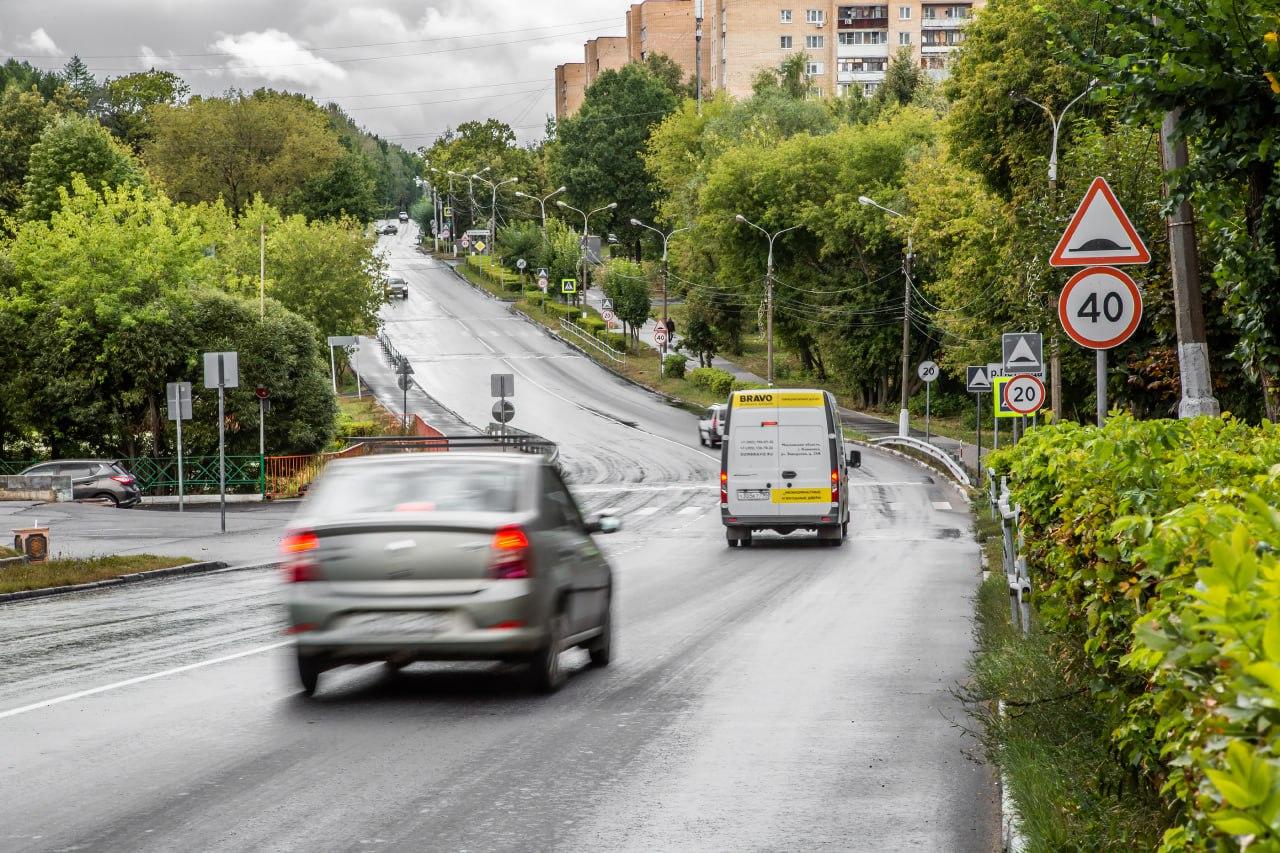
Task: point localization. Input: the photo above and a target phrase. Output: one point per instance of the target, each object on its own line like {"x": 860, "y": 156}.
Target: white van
{"x": 783, "y": 465}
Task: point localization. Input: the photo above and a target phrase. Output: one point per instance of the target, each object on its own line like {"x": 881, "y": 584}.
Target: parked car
{"x": 404, "y": 217}
{"x": 711, "y": 426}
{"x": 390, "y": 228}
{"x": 104, "y": 479}
{"x": 445, "y": 556}
{"x": 397, "y": 288}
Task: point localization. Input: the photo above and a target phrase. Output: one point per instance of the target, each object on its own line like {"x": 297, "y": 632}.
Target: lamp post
{"x": 493, "y": 207}
{"x": 768, "y": 280}
{"x": 586, "y": 216}
{"x": 665, "y": 238}
{"x": 697, "y": 50}
{"x": 471, "y": 194}
{"x": 542, "y": 203}
{"x": 904, "y": 418}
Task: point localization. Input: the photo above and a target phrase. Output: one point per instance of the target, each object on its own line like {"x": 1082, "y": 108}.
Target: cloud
{"x": 275, "y": 56}
{"x": 39, "y": 42}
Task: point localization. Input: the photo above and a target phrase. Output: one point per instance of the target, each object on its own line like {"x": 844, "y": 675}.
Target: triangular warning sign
{"x": 978, "y": 379}
{"x": 1099, "y": 233}
{"x": 1022, "y": 355}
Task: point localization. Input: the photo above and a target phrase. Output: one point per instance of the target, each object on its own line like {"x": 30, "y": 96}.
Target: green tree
{"x": 671, "y": 74}
{"x": 81, "y": 82}
{"x": 350, "y": 188}
{"x": 627, "y": 285}
{"x": 24, "y": 115}
{"x": 126, "y": 102}
{"x": 74, "y": 146}
{"x": 598, "y": 155}
{"x": 791, "y": 78}
{"x": 901, "y": 80}
{"x": 239, "y": 146}
{"x": 24, "y": 76}
{"x": 698, "y": 337}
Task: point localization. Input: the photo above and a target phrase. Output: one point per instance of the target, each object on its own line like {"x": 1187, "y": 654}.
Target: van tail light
{"x": 124, "y": 479}
{"x": 724, "y": 488}
{"x": 509, "y": 556}
{"x": 298, "y": 556}
{"x": 835, "y": 485}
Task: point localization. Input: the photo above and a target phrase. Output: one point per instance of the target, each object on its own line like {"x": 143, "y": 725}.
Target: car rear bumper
{"x": 781, "y": 522}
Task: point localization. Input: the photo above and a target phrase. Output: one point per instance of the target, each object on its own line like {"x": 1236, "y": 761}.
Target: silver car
{"x": 446, "y": 556}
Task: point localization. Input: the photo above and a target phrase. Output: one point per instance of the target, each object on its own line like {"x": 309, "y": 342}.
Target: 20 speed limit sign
{"x": 928, "y": 371}
{"x": 1024, "y": 394}
{"x": 1100, "y": 307}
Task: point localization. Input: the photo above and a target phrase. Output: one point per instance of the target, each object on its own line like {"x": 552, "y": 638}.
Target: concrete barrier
{"x": 36, "y": 487}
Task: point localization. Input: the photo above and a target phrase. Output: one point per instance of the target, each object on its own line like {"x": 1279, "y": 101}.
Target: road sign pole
{"x": 995, "y": 432}
{"x": 222, "y": 451}
{"x": 359, "y": 387}
{"x": 333, "y": 370}
{"x": 977, "y": 401}
{"x": 262, "y": 429}
{"x": 927, "y": 386}
{"x": 180, "y": 496}
{"x": 1102, "y": 387}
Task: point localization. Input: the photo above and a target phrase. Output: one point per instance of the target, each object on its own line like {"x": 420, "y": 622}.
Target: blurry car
{"x": 711, "y": 426}
{"x": 104, "y": 479}
{"x": 397, "y": 288}
{"x": 390, "y": 228}
{"x": 445, "y": 556}
{"x": 404, "y": 217}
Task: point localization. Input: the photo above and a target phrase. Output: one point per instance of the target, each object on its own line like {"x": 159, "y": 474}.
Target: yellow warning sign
{"x": 778, "y": 399}
{"x": 800, "y": 496}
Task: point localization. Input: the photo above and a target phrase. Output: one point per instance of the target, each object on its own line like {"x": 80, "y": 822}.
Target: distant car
{"x": 445, "y": 556}
{"x": 389, "y": 228}
{"x": 711, "y": 426}
{"x": 104, "y": 479}
{"x": 397, "y": 288}
{"x": 404, "y": 217}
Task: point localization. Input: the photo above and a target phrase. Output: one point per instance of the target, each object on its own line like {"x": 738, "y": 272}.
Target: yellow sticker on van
{"x": 800, "y": 496}
{"x": 782, "y": 399}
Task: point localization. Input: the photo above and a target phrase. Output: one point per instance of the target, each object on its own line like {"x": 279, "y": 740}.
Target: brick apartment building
{"x": 848, "y": 45}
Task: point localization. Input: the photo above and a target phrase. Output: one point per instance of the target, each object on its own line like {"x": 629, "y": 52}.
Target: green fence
{"x": 159, "y": 476}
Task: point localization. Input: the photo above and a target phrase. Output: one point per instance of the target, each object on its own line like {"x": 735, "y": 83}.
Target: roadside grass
{"x": 364, "y": 416}
{"x": 68, "y": 572}
{"x": 1051, "y": 743}
{"x": 484, "y": 282}
{"x": 5, "y": 553}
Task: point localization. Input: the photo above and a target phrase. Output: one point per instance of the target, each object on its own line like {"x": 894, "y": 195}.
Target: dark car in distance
{"x": 102, "y": 479}
{"x": 397, "y": 288}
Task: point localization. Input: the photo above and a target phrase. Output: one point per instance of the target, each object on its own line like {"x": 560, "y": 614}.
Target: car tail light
{"x": 724, "y": 487}
{"x": 124, "y": 479}
{"x": 835, "y": 485}
{"x": 509, "y": 557}
{"x": 298, "y": 556}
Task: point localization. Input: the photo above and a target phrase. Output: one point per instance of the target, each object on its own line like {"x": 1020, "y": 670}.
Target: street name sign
{"x": 1023, "y": 352}
{"x": 928, "y": 371}
{"x": 1100, "y": 232}
{"x": 1100, "y": 307}
{"x": 1023, "y": 394}
{"x": 977, "y": 380}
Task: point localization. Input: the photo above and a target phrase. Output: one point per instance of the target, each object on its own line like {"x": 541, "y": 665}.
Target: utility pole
{"x": 262, "y": 270}
{"x": 768, "y": 290}
{"x": 493, "y": 208}
{"x": 1188, "y": 309}
{"x": 697, "y": 50}
{"x": 904, "y": 416}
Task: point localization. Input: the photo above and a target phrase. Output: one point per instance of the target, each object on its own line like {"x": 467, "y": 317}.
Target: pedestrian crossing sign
{"x": 568, "y": 285}
{"x": 1000, "y": 408}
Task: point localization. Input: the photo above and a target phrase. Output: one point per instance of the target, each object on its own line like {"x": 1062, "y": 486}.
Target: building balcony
{"x": 859, "y": 76}
{"x": 863, "y": 23}
{"x": 943, "y": 23}
{"x": 937, "y": 48}
{"x": 860, "y": 51}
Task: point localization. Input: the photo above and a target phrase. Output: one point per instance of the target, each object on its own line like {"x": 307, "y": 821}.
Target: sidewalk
{"x": 381, "y": 380}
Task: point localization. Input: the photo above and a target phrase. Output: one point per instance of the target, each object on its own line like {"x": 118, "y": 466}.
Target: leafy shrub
{"x": 592, "y": 323}
{"x": 615, "y": 340}
{"x": 520, "y": 240}
{"x": 1152, "y": 546}
{"x": 673, "y": 366}
{"x": 713, "y": 379}
{"x": 534, "y": 297}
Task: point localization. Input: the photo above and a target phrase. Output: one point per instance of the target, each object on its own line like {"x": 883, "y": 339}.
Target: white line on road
{"x": 648, "y": 510}
{"x": 689, "y": 510}
{"x": 897, "y": 506}
{"x": 13, "y": 712}
{"x": 941, "y": 505}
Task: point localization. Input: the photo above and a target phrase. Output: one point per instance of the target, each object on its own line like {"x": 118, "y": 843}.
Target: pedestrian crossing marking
{"x": 942, "y": 505}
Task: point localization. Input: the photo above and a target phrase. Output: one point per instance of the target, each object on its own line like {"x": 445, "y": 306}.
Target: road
{"x": 782, "y": 697}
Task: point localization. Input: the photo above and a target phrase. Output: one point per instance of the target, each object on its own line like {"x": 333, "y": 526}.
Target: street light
{"x": 904, "y": 418}
{"x": 493, "y": 206}
{"x": 665, "y": 239}
{"x": 586, "y": 216}
{"x": 1057, "y": 125}
{"x": 768, "y": 280}
{"x": 542, "y": 203}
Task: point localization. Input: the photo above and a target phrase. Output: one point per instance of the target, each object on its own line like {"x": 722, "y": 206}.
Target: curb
{"x": 136, "y": 577}
{"x": 13, "y": 561}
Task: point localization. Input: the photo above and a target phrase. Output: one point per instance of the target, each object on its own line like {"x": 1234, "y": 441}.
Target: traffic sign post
{"x": 502, "y": 385}
{"x": 503, "y": 411}
{"x": 1100, "y": 308}
{"x": 977, "y": 382}
{"x": 178, "y": 398}
{"x": 660, "y": 335}
{"x": 1100, "y": 232}
{"x": 928, "y": 372}
{"x": 264, "y": 406}
{"x": 222, "y": 371}
{"x": 405, "y": 369}
{"x": 1023, "y": 394}
{"x": 1023, "y": 352}
{"x": 338, "y": 341}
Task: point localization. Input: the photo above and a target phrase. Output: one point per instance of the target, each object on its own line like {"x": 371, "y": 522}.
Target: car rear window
{"x": 414, "y": 486}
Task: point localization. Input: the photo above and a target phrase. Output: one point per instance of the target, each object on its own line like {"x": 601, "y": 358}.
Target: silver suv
{"x": 711, "y": 426}
{"x": 103, "y": 479}
{"x": 445, "y": 556}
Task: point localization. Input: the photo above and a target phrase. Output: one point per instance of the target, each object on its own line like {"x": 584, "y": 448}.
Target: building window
{"x": 864, "y": 37}
{"x": 815, "y": 16}
{"x": 933, "y": 62}
{"x": 858, "y": 66}
{"x": 784, "y": 16}
{"x": 869, "y": 88}
{"x": 813, "y": 68}
{"x": 904, "y": 38}
{"x": 784, "y": 42}
{"x": 904, "y": 13}
{"x": 644, "y": 33}
{"x": 813, "y": 41}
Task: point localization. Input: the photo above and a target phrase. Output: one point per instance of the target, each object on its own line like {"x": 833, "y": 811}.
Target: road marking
{"x": 671, "y": 487}
{"x": 941, "y": 505}
{"x": 257, "y": 650}
{"x": 897, "y": 506}
{"x": 689, "y": 510}
{"x": 649, "y": 510}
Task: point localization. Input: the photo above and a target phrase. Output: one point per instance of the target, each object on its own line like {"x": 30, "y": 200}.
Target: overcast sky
{"x": 405, "y": 70}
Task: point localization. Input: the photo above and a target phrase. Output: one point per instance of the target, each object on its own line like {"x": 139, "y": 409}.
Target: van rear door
{"x": 751, "y": 458}
{"x": 804, "y": 456}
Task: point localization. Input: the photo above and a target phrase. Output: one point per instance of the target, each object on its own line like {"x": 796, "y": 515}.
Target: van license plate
{"x": 753, "y": 494}
{"x": 397, "y": 623}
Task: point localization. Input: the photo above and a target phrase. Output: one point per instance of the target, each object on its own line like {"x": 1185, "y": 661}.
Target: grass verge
{"x": 364, "y": 416}
{"x": 69, "y": 572}
{"x": 1051, "y": 743}
{"x": 482, "y": 281}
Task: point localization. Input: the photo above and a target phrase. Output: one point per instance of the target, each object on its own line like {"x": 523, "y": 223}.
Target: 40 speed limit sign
{"x": 1100, "y": 307}
{"x": 1023, "y": 394}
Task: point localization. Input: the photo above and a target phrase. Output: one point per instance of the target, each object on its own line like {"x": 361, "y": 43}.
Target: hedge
{"x": 1153, "y": 550}
{"x": 491, "y": 268}
{"x": 713, "y": 379}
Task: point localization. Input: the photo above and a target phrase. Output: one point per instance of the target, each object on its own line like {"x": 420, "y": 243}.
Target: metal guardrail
{"x": 600, "y": 346}
{"x": 1015, "y": 562}
{"x": 513, "y": 439}
{"x": 954, "y": 468}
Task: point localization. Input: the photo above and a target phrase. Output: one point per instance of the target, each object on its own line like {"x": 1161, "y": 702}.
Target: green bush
{"x": 614, "y": 339}
{"x": 713, "y": 379}
{"x": 1153, "y": 548}
{"x": 673, "y": 366}
{"x": 534, "y": 297}
{"x": 592, "y": 323}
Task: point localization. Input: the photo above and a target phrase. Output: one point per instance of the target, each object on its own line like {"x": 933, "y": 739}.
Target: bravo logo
{"x": 755, "y": 398}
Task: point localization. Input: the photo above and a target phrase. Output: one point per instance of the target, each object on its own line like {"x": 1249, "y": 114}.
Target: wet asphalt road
{"x": 783, "y": 697}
